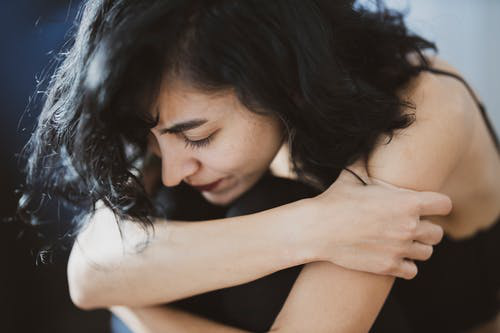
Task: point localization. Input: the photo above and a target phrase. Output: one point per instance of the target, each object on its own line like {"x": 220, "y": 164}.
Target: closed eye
{"x": 194, "y": 144}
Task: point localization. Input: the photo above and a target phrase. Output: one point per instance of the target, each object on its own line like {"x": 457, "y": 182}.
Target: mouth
{"x": 207, "y": 187}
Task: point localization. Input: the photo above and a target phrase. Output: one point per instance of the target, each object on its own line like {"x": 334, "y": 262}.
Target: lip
{"x": 207, "y": 187}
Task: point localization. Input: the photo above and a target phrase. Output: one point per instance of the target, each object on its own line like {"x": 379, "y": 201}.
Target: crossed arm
{"x": 313, "y": 290}
{"x": 329, "y": 298}
{"x": 310, "y": 298}
{"x": 169, "y": 268}
{"x": 325, "y": 297}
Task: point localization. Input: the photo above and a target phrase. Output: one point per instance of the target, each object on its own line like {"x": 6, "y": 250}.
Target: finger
{"x": 428, "y": 233}
{"x": 432, "y": 203}
{"x": 419, "y": 251}
{"x": 408, "y": 269}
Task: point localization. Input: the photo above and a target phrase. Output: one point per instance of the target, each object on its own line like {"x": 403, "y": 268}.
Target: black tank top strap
{"x": 479, "y": 104}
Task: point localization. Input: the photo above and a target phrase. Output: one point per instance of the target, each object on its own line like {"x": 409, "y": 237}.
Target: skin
{"x": 241, "y": 148}
{"x": 240, "y": 151}
{"x": 314, "y": 289}
{"x": 450, "y": 129}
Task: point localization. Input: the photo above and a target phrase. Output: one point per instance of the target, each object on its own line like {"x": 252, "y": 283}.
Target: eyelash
{"x": 198, "y": 143}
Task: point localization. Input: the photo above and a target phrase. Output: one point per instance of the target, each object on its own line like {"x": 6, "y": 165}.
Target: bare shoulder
{"x": 423, "y": 155}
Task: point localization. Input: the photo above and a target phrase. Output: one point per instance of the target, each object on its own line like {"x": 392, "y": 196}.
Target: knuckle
{"x": 406, "y": 235}
{"x": 412, "y": 225}
{"x": 384, "y": 268}
{"x": 414, "y": 204}
{"x": 400, "y": 252}
{"x": 390, "y": 267}
{"x": 410, "y": 230}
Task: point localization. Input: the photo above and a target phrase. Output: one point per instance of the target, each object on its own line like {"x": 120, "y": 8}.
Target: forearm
{"x": 368, "y": 228}
{"x": 160, "y": 319}
{"x": 183, "y": 258}
{"x": 325, "y": 298}
{"x": 329, "y": 298}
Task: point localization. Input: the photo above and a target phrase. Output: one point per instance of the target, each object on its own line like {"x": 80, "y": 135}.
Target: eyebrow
{"x": 183, "y": 126}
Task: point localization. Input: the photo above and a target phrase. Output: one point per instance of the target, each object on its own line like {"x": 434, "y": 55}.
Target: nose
{"x": 177, "y": 167}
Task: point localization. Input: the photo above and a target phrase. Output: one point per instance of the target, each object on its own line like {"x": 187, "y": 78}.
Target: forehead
{"x": 178, "y": 101}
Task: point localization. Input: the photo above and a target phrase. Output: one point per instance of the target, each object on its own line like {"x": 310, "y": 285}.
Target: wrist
{"x": 301, "y": 232}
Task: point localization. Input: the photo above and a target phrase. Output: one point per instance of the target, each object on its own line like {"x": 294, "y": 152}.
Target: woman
{"x": 221, "y": 85}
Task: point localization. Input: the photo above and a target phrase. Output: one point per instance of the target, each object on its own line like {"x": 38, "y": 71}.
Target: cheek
{"x": 247, "y": 154}
{"x": 226, "y": 159}
{"x": 247, "y": 145}
{"x": 230, "y": 153}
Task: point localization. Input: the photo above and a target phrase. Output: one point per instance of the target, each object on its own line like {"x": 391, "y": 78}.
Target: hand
{"x": 377, "y": 228}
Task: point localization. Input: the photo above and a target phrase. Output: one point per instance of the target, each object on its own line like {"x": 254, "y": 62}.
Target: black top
{"x": 254, "y": 306}
{"x": 454, "y": 290}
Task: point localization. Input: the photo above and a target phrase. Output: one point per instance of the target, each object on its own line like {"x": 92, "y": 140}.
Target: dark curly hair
{"x": 329, "y": 69}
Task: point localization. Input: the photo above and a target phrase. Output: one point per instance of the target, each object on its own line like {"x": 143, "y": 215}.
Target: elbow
{"x": 81, "y": 291}
{"x": 81, "y": 300}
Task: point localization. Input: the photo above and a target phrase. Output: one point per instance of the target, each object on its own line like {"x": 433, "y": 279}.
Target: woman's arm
{"x": 329, "y": 298}
{"x": 183, "y": 258}
{"x": 317, "y": 304}
{"x": 318, "y": 301}
{"x": 359, "y": 227}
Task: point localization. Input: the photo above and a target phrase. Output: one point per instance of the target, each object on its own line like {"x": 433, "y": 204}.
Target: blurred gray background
{"x": 467, "y": 34}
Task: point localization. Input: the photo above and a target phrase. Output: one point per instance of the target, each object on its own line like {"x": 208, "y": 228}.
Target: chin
{"x": 226, "y": 197}
{"x": 219, "y": 200}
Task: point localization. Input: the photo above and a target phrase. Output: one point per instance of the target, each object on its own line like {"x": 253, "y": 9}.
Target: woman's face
{"x": 212, "y": 140}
